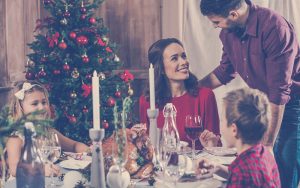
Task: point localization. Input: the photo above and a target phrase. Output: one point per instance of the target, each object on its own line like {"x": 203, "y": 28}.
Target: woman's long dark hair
{"x": 163, "y": 93}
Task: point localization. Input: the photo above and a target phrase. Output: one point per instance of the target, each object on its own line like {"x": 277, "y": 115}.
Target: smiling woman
{"x": 176, "y": 84}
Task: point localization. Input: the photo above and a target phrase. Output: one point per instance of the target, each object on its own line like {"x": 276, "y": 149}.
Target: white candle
{"x": 151, "y": 87}
{"x": 96, "y": 99}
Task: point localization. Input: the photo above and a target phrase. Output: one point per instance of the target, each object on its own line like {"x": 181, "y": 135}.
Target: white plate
{"x": 220, "y": 151}
{"x": 74, "y": 164}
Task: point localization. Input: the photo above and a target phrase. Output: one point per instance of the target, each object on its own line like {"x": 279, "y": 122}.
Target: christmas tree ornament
{"x": 130, "y": 92}
{"x": 88, "y": 76}
{"x": 66, "y": 67}
{"x": 64, "y": 21}
{"x": 105, "y": 39}
{"x": 83, "y": 16}
{"x": 100, "y": 41}
{"x": 43, "y": 59}
{"x": 75, "y": 74}
{"x": 56, "y": 72}
{"x": 67, "y": 14}
{"x": 111, "y": 101}
{"x": 105, "y": 124}
{"x": 47, "y": 2}
{"x": 72, "y": 119}
{"x": 86, "y": 90}
{"x": 116, "y": 58}
{"x": 53, "y": 39}
{"x": 30, "y": 64}
{"x": 85, "y": 58}
{"x": 126, "y": 76}
{"x": 101, "y": 76}
{"x": 100, "y": 60}
{"x": 92, "y": 20}
{"x": 108, "y": 49}
{"x": 118, "y": 94}
{"x": 82, "y": 40}
{"x": 42, "y": 73}
{"x": 73, "y": 95}
{"x": 62, "y": 45}
{"x": 29, "y": 76}
{"x": 72, "y": 35}
{"x": 85, "y": 110}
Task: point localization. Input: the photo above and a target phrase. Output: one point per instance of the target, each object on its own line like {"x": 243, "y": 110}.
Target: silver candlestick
{"x": 97, "y": 167}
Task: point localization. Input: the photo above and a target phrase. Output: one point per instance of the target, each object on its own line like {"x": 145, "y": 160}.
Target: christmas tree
{"x": 69, "y": 45}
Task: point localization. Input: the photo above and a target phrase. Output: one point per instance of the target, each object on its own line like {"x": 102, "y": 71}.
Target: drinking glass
{"x": 162, "y": 152}
{"x": 193, "y": 128}
{"x": 55, "y": 152}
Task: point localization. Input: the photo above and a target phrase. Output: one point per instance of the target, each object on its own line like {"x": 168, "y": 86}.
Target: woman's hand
{"x": 209, "y": 139}
{"x": 51, "y": 168}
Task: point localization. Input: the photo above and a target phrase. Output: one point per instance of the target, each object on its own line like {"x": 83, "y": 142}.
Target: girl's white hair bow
{"x": 21, "y": 94}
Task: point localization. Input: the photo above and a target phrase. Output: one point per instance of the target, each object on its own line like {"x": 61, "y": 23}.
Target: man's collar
{"x": 252, "y": 21}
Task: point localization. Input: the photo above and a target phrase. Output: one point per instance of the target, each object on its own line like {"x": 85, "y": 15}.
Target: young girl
{"x": 176, "y": 84}
{"x": 30, "y": 96}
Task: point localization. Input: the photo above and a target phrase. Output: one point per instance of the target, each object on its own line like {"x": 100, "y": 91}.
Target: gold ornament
{"x": 64, "y": 21}
{"x": 75, "y": 74}
{"x": 73, "y": 95}
{"x": 130, "y": 92}
{"x": 101, "y": 76}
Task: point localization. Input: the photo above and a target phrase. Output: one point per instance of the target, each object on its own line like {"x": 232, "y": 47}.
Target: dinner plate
{"x": 220, "y": 151}
{"x": 74, "y": 164}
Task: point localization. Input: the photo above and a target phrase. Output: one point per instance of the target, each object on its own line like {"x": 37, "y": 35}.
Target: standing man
{"x": 261, "y": 46}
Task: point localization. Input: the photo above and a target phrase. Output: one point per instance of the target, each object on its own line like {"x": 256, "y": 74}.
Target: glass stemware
{"x": 55, "y": 152}
{"x": 193, "y": 128}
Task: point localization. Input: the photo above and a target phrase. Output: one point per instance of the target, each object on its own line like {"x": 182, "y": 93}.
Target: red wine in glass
{"x": 193, "y": 132}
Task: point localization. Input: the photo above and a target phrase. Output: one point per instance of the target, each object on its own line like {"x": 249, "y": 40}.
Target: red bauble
{"x": 118, "y": 94}
{"x": 67, "y": 14}
{"x": 66, "y": 67}
{"x": 82, "y": 40}
{"x": 100, "y": 60}
{"x": 62, "y": 45}
{"x": 111, "y": 101}
{"x": 92, "y": 20}
{"x": 83, "y": 16}
{"x": 105, "y": 124}
{"x": 47, "y": 2}
{"x": 56, "y": 72}
{"x": 83, "y": 10}
{"x": 72, "y": 35}
{"x": 42, "y": 73}
{"x": 29, "y": 76}
{"x": 85, "y": 59}
{"x": 85, "y": 110}
{"x": 72, "y": 119}
{"x": 88, "y": 76}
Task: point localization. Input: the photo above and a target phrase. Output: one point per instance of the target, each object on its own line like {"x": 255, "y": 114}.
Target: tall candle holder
{"x": 152, "y": 115}
{"x": 97, "y": 167}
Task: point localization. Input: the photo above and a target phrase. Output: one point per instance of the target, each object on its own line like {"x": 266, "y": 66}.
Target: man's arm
{"x": 210, "y": 81}
{"x": 274, "y": 125}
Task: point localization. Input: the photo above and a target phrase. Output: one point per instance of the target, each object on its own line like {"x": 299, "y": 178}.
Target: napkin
{"x": 72, "y": 178}
{"x": 74, "y": 164}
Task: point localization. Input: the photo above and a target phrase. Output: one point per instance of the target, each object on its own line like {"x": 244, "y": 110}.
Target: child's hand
{"x": 209, "y": 139}
{"x": 205, "y": 167}
{"x": 51, "y": 168}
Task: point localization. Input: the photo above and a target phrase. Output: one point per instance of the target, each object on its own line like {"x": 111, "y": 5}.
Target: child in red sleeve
{"x": 245, "y": 121}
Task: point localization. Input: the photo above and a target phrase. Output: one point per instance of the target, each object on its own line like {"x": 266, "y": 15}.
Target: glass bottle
{"x": 30, "y": 169}
{"x": 170, "y": 131}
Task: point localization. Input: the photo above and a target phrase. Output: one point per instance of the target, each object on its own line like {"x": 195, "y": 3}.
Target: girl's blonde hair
{"x": 16, "y": 106}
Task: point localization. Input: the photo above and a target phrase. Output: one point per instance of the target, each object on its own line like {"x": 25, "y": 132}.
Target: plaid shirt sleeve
{"x": 238, "y": 179}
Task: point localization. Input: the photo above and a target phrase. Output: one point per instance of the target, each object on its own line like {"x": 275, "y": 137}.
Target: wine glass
{"x": 55, "y": 152}
{"x": 193, "y": 128}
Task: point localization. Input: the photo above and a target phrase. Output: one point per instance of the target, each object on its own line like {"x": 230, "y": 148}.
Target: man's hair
{"x": 249, "y": 110}
{"x": 219, "y": 7}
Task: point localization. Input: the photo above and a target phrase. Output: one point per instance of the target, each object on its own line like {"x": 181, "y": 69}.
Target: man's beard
{"x": 236, "y": 29}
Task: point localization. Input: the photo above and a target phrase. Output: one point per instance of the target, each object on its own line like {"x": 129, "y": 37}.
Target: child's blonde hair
{"x": 16, "y": 107}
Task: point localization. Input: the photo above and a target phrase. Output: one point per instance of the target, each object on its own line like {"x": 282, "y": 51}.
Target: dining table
{"x": 72, "y": 166}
